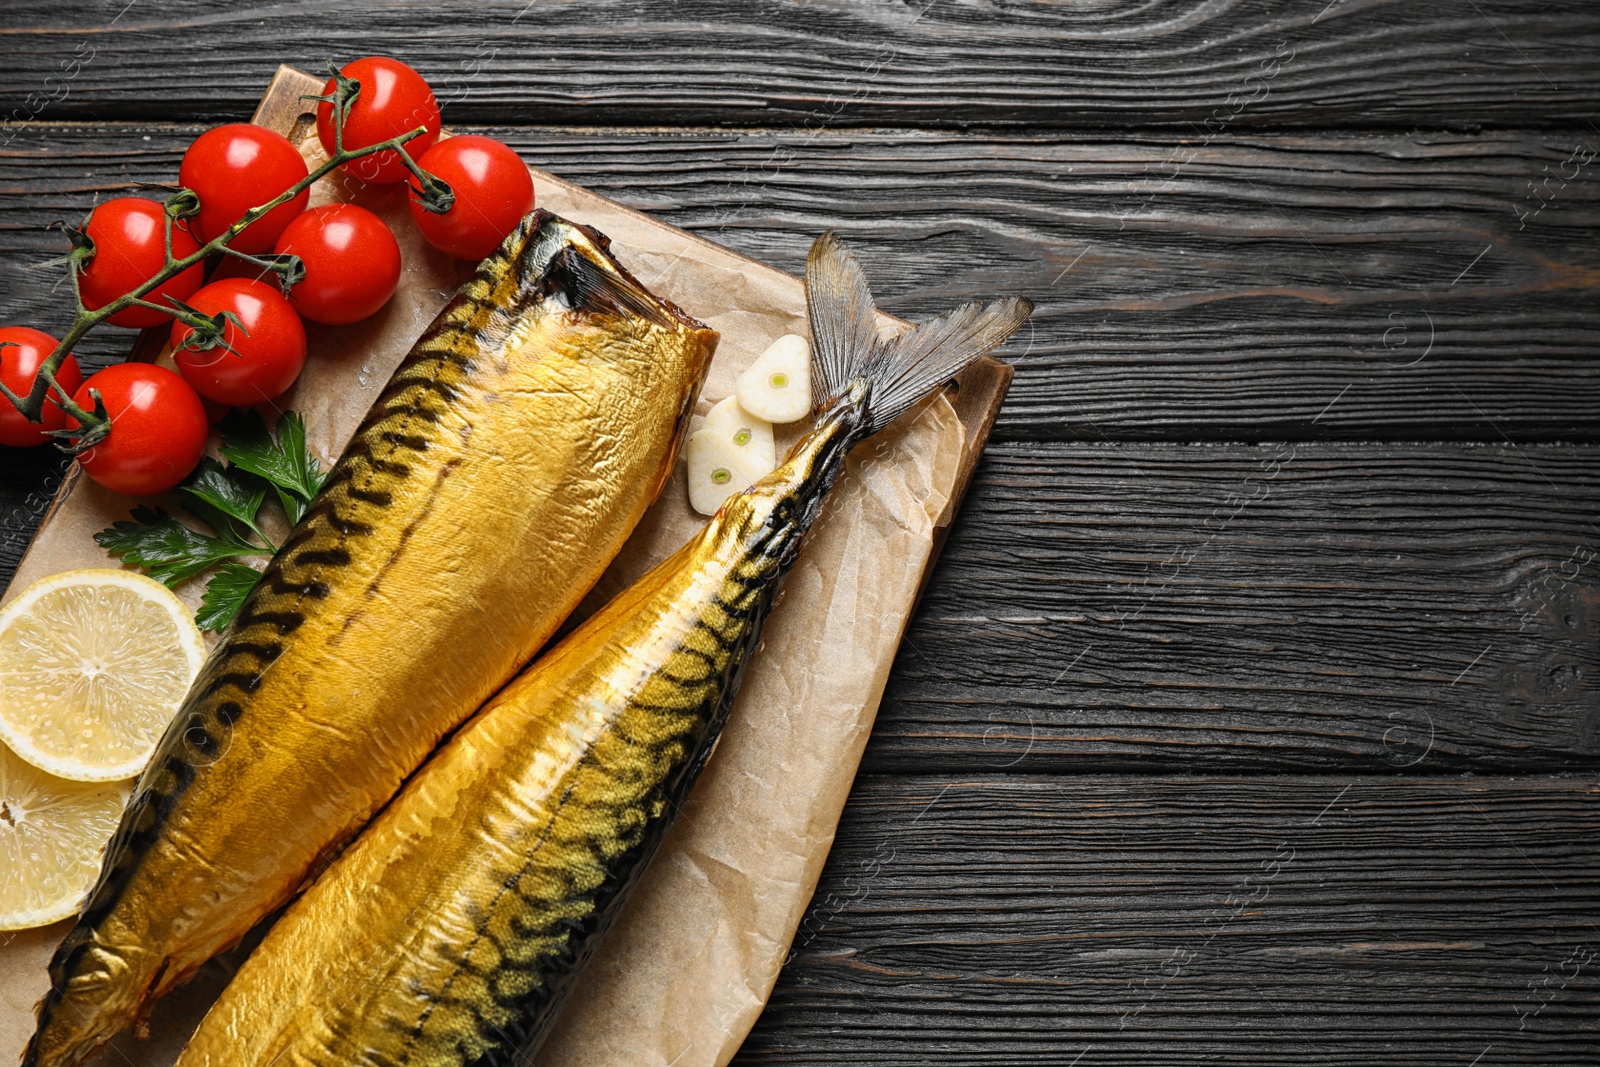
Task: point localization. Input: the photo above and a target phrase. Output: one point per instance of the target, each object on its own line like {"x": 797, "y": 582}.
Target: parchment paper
{"x": 684, "y": 974}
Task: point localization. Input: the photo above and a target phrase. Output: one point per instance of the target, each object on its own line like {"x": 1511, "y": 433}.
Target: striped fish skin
{"x": 447, "y": 934}
{"x": 502, "y": 469}
{"x": 449, "y": 931}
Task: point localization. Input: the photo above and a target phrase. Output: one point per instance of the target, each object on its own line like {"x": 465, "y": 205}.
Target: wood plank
{"x": 1115, "y": 63}
{"x": 1091, "y": 921}
{"x": 1227, "y": 663}
{"x": 28, "y": 482}
{"x": 1279, "y": 607}
{"x": 1371, "y": 608}
{"x": 1414, "y": 277}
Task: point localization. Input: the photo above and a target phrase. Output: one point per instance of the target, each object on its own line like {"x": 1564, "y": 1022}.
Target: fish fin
{"x": 923, "y": 358}
{"x": 602, "y": 288}
{"x": 844, "y": 337}
{"x": 901, "y": 370}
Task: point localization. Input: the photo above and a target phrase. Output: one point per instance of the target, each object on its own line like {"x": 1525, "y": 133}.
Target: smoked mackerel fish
{"x": 496, "y": 477}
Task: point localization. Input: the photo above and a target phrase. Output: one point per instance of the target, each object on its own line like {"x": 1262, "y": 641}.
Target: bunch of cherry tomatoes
{"x": 160, "y": 421}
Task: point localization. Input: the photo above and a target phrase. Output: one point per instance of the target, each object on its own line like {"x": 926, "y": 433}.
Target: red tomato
{"x": 129, "y": 249}
{"x": 158, "y": 429}
{"x": 352, "y": 263}
{"x": 493, "y": 191}
{"x": 237, "y": 167}
{"x": 267, "y": 354}
{"x": 394, "y": 99}
{"x": 19, "y": 366}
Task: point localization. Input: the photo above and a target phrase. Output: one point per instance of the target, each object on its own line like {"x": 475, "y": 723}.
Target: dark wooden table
{"x": 1251, "y": 717}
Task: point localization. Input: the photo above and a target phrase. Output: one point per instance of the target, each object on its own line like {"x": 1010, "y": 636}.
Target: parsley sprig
{"x": 284, "y": 461}
{"x": 228, "y": 499}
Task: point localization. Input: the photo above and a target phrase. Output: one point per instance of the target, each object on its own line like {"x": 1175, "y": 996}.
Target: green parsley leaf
{"x": 226, "y": 499}
{"x": 225, "y": 594}
{"x": 285, "y": 461}
{"x": 167, "y": 549}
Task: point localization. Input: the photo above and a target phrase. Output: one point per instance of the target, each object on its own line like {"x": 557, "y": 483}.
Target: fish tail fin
{"x": 895, "y": 373}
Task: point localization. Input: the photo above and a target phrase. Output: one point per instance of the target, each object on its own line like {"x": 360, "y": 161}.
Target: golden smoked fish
{"x": 506, "y": 463}
{"x": 448, "y": 932}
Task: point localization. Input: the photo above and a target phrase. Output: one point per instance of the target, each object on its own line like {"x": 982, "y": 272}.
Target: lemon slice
{"x": 93, "y": 665}
{"x": 52, "y": 833}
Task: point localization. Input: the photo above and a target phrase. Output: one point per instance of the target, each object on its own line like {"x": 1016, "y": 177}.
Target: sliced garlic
{"x": 717, "y": 470}
{"x": 777, "y": 386}
{"x": 752, "y": 437}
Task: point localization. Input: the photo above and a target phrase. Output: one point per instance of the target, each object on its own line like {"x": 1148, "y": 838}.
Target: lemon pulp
{"x": 93, "y": 665}
{"x": 52, "y": 834}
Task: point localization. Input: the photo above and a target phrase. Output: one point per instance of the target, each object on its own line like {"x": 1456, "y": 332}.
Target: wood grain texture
{"x": 1229, "y": 291}
{"x": 1284, "y": 607}
{"x": 1281, "y": 606}
{"x": 1235, "y": 233}
{"x": 29, "y": 479}
{"x": 1089, "y": 921}
{"x": 1233, "y": 63}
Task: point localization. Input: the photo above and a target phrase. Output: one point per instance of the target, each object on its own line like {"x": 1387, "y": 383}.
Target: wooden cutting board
{"x": 80, "y": 508}
{"x": 750, "y": 304}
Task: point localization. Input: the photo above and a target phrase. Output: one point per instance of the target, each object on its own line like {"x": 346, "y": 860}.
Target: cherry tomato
{"x": 352, "y": 263}
{"x": 237, "y": 167}
{"x": 158, "y": 429}
{"x": 19, "y": 366}
{"x": 394, "y": 99}
{"x": 129, "y": 249}
{"x": 493, "y": 191}
{"x": 267, "y": 354}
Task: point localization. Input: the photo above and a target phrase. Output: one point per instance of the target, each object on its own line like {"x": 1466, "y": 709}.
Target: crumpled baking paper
{"x": 684, "y": 973}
